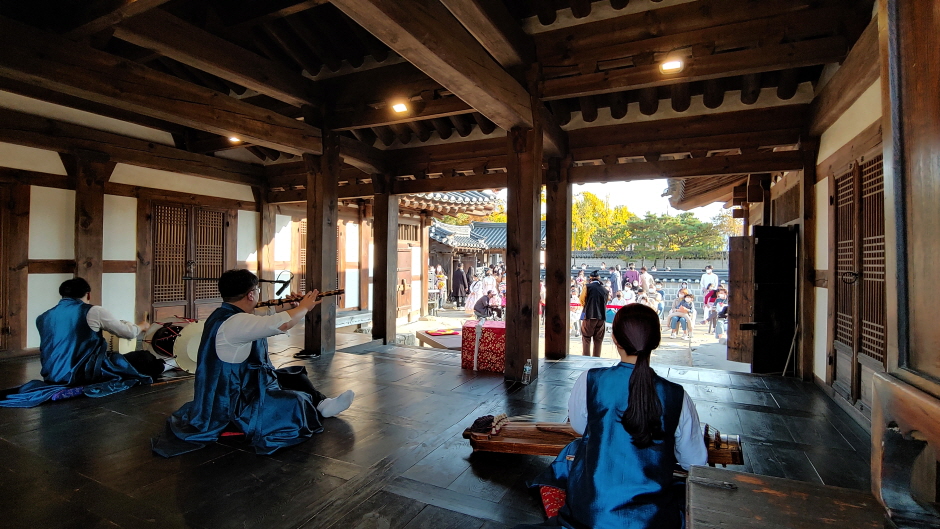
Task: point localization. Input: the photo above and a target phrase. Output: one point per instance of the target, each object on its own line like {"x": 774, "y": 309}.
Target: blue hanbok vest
{"x": 73, "y": 355}
{"x": 611, "y": 483}
{"x": 244, "y": 396}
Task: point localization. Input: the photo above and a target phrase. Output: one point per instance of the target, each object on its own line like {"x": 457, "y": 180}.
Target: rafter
{"x": 53, "y": 62}
{"x": 185, "y": 43}
{"x": 42, "y": 133}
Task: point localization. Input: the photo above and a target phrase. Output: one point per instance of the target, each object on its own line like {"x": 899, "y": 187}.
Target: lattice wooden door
{"x": 170, "y": 253}
{"x": 187, "y": 241}
{"x": 859, "y": 280}
{"x": 208, "y": 258}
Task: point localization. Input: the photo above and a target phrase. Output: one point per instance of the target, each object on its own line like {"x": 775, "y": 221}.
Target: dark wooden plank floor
{"x": 394, "y": 460}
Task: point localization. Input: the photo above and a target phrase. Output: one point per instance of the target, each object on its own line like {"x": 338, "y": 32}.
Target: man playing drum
{"x": 238, "y": 389}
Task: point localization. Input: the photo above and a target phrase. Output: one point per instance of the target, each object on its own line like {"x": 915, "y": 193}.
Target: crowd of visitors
{"x": 627, "y": 286}
{"x": 594, "y": 300}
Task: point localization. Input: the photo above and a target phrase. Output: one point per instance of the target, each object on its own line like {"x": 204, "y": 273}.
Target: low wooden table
{"x": 772, "y": 503}
{"x": 448, "y": 341}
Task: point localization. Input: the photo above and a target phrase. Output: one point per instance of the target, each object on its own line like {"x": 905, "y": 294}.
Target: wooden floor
{"x": 395, "y": 459}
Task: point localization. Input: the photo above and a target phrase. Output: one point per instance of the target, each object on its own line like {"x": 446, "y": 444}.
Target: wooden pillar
{"x": 807, "y": 262}
{"x": 322, "y": 174}
{"x": 89, "y": 177}
{"x": 266, "y": 247}
{"x": 558, "y": 198}
{"x": 16, "y": 261}
{"x": 385, "y": 226}
{"x": 365, "y": 242}
{"x": 425, "y": 239}
{"x": 523, "y": 234}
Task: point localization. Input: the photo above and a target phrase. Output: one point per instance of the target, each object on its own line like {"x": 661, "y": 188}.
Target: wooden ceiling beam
{"x": 693, "y": 144}
{"x": 431, "y": 38}
{"x": 42, "y": 133}
{"x": 364, "y": 157}
{"x": 256, "y": 13}
{"x": 497, "y": 30}
{"x": 369, "y": 117}
{"x": 730, "y": 64}
{"x": 459, "y": 183}
{"x": 751, "y": 120}
{"x": 50, "y": 61}
{"x": 860, "y": 69}
{"x": 66, "y": 100}
{"x": 170, "y": 36}
{"x": 102, "y": 15}
{"x": 678, "y": 26}
{"x": 688, "y": 168}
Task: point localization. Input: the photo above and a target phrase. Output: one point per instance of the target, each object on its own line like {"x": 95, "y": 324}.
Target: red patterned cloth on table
{"x": 552, "y": 499}
{"x": 443, "y": 332}
{"x": 492, "y": 354}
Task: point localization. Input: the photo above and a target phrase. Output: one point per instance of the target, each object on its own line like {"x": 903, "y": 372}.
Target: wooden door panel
{"x": 845, "y": 314}
{"x": 775, "y": 250}
{"x": 740, "y": 298}
{"x": 170, "y": 248}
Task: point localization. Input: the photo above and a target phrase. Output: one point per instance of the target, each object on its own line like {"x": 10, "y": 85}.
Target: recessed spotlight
{"x": 400, "y": 107}
{"x": 671, "y": 66}
{"x": 233, "y": 139}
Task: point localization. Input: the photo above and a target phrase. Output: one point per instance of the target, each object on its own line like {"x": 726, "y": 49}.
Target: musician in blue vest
{"x": 237, "y": 389}
{"x": 636, "y": 427}
{"x": 74, "y": 354}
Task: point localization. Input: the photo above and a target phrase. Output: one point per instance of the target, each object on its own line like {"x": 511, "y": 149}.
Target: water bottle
{"x": 527, "y": 372}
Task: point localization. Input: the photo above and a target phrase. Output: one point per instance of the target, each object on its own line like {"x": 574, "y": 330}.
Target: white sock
{"x": 335, "y": 406}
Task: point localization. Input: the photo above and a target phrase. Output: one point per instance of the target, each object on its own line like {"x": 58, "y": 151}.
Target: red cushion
{"x": 552, "y": 499}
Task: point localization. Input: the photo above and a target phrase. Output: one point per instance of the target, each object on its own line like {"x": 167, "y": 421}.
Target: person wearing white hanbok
{"x": 476, "y": 290}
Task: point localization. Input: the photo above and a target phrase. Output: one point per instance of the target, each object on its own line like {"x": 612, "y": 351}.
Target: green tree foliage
{"x": 598, "y": 227}
{"x": 462, "y": 219}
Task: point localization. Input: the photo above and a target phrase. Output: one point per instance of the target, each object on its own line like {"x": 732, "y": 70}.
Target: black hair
{"x": 74, "y": 288}
{"x": 636, "y": 331}
{"x": 236, "y": 284}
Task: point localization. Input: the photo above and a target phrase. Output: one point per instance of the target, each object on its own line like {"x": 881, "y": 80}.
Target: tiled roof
{"x": 494, "y": 233}
{"x": 461, "y": 197}
{"x": 455, "y": 236}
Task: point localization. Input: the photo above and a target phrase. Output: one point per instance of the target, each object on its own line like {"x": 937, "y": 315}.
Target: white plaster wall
{"x": 51, "y": 223}
{"x": 156, "y": 179}
{"x": 43, "y": 293}
{"x": 248, "y": 226}
{"x": 30, "y": 159}
{"x": 282, "y": 237}
{"x": 865, "y": 111}
{"x": 819, "y": 333}
{"x": 822, "y": 224}
{"x": 80, "y": 117}
{"x": 118, "y": 294}
{"x": 120, "y": 228}
{"x": 351, "y": 299}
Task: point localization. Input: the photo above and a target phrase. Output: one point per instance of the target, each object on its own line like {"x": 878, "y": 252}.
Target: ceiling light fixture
{"x": 233, "y": 139}
{"x": 400, "y": 107}
{"x": 672, "y": 66}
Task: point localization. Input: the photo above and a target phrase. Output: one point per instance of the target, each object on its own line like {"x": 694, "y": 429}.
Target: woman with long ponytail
{"x": 636, "y": 427}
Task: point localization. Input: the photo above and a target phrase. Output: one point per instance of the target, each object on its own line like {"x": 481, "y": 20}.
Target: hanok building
{"x": 144, "y": 141}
